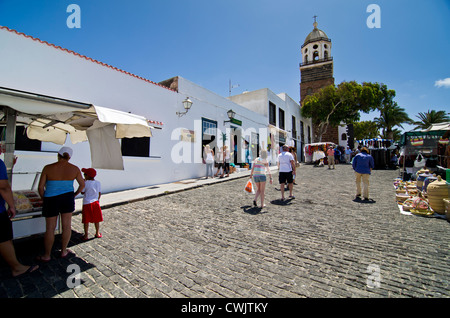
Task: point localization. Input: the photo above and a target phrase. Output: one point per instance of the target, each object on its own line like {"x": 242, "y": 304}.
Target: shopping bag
{"x": 420, "y": 161}
{"x": 249, "y": 187}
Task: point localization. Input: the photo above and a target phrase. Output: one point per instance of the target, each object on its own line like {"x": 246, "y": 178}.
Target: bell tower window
{"x": 316, "y": 56}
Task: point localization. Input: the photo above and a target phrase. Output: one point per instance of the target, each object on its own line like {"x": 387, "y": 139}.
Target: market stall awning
{"x": 52, "y": 119}
{"x": 77, "y": 124}
{"x": 439, "y": 126}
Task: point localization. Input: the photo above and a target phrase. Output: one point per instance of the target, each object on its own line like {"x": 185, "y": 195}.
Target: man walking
{"x": 330, "y": 157}
{"x": 363, "y": 164}
{"x": 286, "y": 171}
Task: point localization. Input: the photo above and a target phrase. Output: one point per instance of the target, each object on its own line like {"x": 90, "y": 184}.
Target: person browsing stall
{"x": 91, "y": 212}
{"x": 57, "y": 192}
{"x": 7, "y": 250}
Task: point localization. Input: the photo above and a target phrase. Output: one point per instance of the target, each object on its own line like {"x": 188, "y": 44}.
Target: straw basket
{"x": 437, "y": 191}
{"x": 401, "y": 197}
{"x": 408, "y": 204}
{"x": 421, "y": 207}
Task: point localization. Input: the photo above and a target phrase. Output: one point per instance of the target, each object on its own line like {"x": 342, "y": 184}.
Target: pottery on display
{"x": 437, "y": 192}
{"x": 421, "y": 178}
{"x": 427, "y": 181}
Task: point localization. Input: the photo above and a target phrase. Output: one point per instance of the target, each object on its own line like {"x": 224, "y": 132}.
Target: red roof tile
{"x": 82, "y": 56}
{"x": 89, "y": 59}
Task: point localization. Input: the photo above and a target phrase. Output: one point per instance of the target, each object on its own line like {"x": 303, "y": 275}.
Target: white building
{"x": 174, "y": 152}
{"x": 283, "y": 119}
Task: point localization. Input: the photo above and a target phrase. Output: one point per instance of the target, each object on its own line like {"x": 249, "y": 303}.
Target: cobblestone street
{"x": 210, "y": 242}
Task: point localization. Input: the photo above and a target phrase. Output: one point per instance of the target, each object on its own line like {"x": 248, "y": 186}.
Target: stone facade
{"x": 315, "y": 78}
{"x": 331, "y": 135}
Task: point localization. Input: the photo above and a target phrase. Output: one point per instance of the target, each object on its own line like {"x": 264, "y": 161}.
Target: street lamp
{"x": 187, "y": 103}
{"x": 231, "y": 115}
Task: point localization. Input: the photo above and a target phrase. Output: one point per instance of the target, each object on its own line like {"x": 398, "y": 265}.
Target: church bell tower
{"x": 316, "y": 68}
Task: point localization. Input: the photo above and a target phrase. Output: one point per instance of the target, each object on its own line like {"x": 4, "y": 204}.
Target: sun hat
{"x": 67, "y": 150}
{"x": 90, "y": 172}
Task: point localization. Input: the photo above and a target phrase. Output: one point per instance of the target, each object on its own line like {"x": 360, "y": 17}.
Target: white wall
{"x": 258, "y": 101}
{"x": 29, "y": 65}
{"x": 207, "y": 104}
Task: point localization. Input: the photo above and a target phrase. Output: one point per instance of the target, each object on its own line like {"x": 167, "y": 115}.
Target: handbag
{"x": 420, "y": 161}
{"x": 249, "y": 187}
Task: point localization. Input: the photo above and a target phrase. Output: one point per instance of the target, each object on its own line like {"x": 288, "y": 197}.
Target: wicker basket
{"x": 421, "y": 207}
{"x": 402, "y": 197}
{"x": 413, "y": 192}
{"x": 437, "y": 191}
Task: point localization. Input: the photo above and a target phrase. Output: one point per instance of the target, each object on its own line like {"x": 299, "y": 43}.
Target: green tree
{"x": 365, "y": 130}
{"x": 431, "y": 117}
{"x": 391, "y": 116}
{"x": 335, "y": 105}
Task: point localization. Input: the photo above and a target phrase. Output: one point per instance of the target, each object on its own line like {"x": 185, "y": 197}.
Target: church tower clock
{"x": 316, "y": 68}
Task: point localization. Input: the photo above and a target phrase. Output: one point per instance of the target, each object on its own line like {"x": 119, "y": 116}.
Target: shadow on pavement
{"x": 252, "y": 210}
{"x": 52, "y": 278}
{"x": 282, "y": 202}
{"x": 368, "y": 201}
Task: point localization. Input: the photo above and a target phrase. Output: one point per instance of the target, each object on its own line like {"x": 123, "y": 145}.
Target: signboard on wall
{"x": 187, "y": 135}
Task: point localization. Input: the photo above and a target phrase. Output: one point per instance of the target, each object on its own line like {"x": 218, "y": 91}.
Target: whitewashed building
{"x": 174, "y": 152}
{"x": 283, "y": 119}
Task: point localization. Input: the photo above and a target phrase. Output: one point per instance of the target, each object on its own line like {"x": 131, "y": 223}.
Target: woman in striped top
{"x": 259, "y": 167}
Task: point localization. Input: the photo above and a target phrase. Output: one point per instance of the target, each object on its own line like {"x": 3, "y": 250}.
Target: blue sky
{"x": 255, "y": 43}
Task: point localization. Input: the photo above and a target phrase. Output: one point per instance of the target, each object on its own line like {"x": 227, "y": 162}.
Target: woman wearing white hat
{"x": 57, "y": 191}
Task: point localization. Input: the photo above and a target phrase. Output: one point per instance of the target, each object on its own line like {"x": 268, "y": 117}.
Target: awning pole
{"x": 10, "y": 140}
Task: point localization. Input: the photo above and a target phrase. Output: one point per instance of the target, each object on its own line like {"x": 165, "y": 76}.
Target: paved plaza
{"x": 210, "y": 242}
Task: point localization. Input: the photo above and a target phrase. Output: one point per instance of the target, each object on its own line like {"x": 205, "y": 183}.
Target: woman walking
{"x": 208, "y": 156}
{"x": 259, "y": 167}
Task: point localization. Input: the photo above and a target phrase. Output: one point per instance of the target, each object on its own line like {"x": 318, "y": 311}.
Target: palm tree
{"x": 431, "y": 117}
{"x": 391, "y": 115}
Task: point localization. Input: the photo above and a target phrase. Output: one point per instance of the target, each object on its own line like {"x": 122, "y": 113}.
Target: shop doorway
{"x": 209, "y": 134}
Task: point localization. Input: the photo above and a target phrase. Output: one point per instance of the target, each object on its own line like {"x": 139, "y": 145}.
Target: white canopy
{"x": 51, "y": 119}
{"x": 54, "y": 128}
{"x": 439, "y": 126}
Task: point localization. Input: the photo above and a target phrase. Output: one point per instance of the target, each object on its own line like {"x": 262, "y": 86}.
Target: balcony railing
{"x": 316, "y": 61}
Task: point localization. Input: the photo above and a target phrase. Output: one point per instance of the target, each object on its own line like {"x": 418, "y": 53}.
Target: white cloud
{"x": 443, "y": 83}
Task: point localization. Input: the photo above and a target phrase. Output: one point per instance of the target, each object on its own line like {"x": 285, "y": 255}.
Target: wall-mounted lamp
{"x": 231, "y": 115}
{"x": 187, "y": 103}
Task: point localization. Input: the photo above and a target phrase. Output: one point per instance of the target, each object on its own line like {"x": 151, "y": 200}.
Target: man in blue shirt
{"x": 6, "y": 231}
{"x": 363, "y": 164}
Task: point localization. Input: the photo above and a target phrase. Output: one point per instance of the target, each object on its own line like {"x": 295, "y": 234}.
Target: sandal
{"x": 41, "y": 259}
{"x": 67, "y": 254}
{"x": 30, "y": 270}
{"x": 99, "y": 235}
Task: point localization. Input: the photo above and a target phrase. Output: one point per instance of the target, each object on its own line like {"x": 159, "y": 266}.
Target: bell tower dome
{"x": 316, "y": 68}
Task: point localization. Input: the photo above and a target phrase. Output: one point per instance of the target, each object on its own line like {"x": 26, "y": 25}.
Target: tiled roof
{"x": 154, "y": 122}
{"x": 82, "y": 56}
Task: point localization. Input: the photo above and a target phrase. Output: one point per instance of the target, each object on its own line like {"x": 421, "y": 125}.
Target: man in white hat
{"x": 286, "y": 171}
